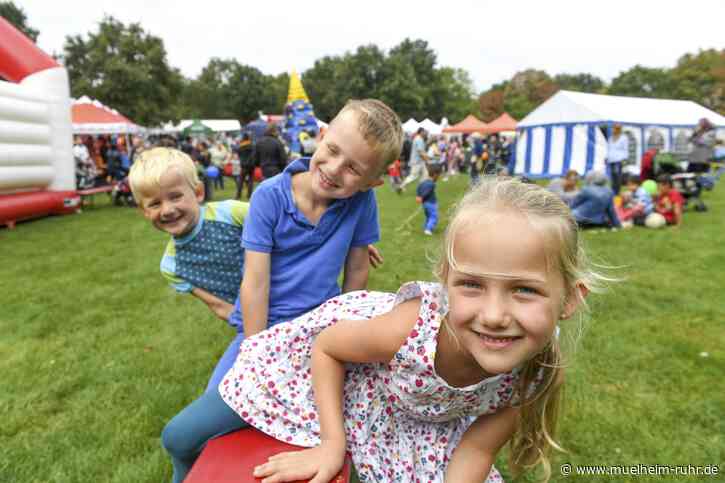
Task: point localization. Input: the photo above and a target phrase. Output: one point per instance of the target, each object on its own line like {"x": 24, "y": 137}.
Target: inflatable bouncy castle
{"x": 37, "y": 172}
{"x": 299, "y": 116}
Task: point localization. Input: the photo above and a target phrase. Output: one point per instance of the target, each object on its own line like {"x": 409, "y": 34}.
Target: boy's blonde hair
{"x": 151, "y": 165}
{"x": 533, "y": 440}
{"x": 379, "y": 126}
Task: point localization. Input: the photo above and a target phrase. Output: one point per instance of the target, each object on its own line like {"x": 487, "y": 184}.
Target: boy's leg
{"x": 225, "y": 363}
{"x": 185, "y": 436}
{"x": 431, "y": 216}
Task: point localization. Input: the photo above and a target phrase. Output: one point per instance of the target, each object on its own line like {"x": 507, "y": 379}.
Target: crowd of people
{"x": 654, "y": 197}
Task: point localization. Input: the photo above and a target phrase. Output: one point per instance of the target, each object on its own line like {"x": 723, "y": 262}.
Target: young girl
{"x": 427, "y": 384}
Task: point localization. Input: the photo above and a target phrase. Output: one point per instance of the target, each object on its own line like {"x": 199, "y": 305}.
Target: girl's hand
{"x": 320, "y": 464}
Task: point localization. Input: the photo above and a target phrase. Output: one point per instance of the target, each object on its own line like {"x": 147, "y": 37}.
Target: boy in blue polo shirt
{"x": 313, "y": 221}
{"x": 305, "y": 226}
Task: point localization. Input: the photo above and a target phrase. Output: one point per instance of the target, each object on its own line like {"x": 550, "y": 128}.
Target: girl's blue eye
{"x": 526, "y": 290}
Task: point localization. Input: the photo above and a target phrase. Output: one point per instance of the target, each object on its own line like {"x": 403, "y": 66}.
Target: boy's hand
{"x": 376, "y": 259}
{"x": 419, "y": 200}
{"x": 320, "y": 464}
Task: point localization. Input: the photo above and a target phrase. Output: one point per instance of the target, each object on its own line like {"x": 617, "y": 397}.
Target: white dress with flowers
{"x": 401, "y": 419}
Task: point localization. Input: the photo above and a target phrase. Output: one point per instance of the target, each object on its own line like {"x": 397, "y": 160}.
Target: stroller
{"x": 121, "y": 193}
{"x": 690, "y": 185}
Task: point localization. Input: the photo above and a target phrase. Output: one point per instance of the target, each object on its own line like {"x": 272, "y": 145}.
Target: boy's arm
{"x": 254, "y": 291}
{"x": 221, "y": 308}
{"x": 475, "y": 454}
{"x": 376, "y": 258}
{"x": 357, "y": 266}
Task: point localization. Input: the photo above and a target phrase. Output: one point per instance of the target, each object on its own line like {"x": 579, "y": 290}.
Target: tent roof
{"x": 410, "y": 126}
{"x": 469, "y": 125}
{"x": 573, "y": 107}
{"x": 216, "y": 125}
{"x": 430, "y": 126}
{"x": 92, "y": 117}
{"x": 504, "y": 122}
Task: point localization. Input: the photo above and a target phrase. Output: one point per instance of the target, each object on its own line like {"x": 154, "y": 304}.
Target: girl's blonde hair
{"x": 151, "y": 165}
{"x": 539, "y": 404}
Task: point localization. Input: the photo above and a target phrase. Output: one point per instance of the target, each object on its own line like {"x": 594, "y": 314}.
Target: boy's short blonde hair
{"x": 380, "y": 126}
{"x": 151, "y": 165}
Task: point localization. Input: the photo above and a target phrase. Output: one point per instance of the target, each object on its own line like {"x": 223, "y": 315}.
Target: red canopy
{"x": 92, "y": 117}
{"x": 504, "y": 122}
{"x": 469, "y": 125}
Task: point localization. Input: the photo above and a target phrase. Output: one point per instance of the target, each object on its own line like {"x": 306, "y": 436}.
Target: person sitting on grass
{"x": 636, "y": 203}
{"x": 594, "y": 205}
{"x": 565, "y": 187}
{"x": 669, "y": 201}
{"x": 204, "y": 255}
{"x": 426, "y": 195}
{"x": 429, "y": 383}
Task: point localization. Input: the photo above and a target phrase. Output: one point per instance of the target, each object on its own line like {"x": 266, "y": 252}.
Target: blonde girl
{"x": 430, "y": 383}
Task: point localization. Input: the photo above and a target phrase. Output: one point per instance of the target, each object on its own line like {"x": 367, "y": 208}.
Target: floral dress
{"x": 402, "y": 420}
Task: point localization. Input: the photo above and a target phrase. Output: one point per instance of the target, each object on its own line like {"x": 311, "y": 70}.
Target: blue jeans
{"x": 431, "y": 215}
{"x": 615, "y": 174}
{"x": 186, "y": 435}
{"x": 225, "y": 363}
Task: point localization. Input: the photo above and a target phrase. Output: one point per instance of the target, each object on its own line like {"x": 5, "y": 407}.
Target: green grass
{"x": 97, "y": 353}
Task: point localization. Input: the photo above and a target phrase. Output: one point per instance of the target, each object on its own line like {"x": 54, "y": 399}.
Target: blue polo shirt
{"x": 306, "y": 259}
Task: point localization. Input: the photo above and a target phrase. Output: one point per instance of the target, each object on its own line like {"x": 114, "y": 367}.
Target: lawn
{"x": 97, "y": 353}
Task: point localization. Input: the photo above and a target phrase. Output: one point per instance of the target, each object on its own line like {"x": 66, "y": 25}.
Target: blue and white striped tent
{"x": 567, "y": 131}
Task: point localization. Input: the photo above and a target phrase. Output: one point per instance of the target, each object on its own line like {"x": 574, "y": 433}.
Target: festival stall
{"x": 468, "y": 125}
{"x": 37, "y": 172}
{"x": 92, "y": 117}
{"x": 503, "y": 124}
{"x": 569, "y": 131}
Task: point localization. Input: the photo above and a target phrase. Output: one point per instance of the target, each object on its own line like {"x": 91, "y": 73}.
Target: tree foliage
{"x": 406, "y": 78}
{"x": 701, "y": 78}
{"x": 16, "y": 16}
{"x": 125, "y": 68}
{"x": 228, "y": 89}
{"x": 642, "y": 81}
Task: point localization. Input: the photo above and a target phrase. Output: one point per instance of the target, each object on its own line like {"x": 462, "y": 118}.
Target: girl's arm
{"x": 255, "y": 291}
{"x": 475, "y": 454}
{"x": 374, "y": 340}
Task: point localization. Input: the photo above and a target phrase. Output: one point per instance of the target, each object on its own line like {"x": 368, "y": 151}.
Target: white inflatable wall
{"x": 36, "y": 133}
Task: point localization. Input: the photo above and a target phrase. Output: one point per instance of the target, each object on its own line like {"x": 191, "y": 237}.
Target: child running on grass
{"x": 425, "y": 194}
{"x": 427, "y": 384}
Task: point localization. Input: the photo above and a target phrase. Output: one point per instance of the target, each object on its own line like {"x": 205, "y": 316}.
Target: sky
{"x": 490, "y": 40}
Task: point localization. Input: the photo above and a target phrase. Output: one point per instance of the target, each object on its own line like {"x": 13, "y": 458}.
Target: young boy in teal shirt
{"x": 204, "y": 255}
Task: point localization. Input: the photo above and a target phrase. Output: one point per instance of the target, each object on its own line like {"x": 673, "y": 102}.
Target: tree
{"x": 126, "y": 68}
{"x": 522, "y": 94}
{"x": 701, "y": 78}
{"x": 227, "y": 89}
{"x": 643, "y": 81}
{"x": 16, "y": 16}
{"x": 579, "y": 82}
{"x": 491, "y": 104}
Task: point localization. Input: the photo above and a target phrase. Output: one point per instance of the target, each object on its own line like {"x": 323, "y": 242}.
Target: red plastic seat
{"x": 232, "y": 457}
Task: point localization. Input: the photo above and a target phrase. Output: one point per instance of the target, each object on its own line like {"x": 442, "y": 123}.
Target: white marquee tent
{"x": 566, "y": 131}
